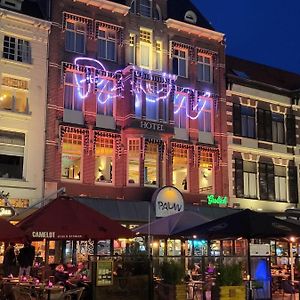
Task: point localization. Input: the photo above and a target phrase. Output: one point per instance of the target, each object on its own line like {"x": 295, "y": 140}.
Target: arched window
{"x": 157, "y": 13}
{"x": 190, "y": 17}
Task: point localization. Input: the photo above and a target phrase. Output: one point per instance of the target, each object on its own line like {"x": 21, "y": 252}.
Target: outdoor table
{"x": 195, "y": 286}
{"x": 54, "y": 290}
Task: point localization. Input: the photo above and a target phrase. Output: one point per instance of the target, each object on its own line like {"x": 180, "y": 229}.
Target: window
{"x": 157, "y": 13}
{"x": 206, "y": 175}
{"x": 278, "y": 128}
{"x": 14, "y": 95}
{"x": 250, "y": 179}
{"x": 280, "y": 183}
{"x": 146, "y": 8}
{"x": 71, "y": 156}
{"x": 264, "y": 125}
{"x": 151, "y": 164}
{"x": 105, "y": 96}
{"x": 190, "y": 17}
{"x": 244, "y": 121}
{"x": 133, "y": 7}
{"x": 266, "y": 181}
{"x": 134, "y": 151}
{"x": 158, "y": 51}
{"x": 73, "y": 90}
{"x": 145, "y": 48}
{"x": 75, "y": 37}
{"x": 107, "y": 44}
{"x": 152, "y": 104}
{"x": 16, "y": 49}
{"x": 179, "y": 61}
{"x": 180, "y": 168}
{"x": 138, "y": 105}
{"x": 12, "y": 146}
{"x": 104, "y": 160}
{"x": 204, "y": 68}
{"x": 180, "y": 108}
{"x": 204, "y": 119}
{"x": 132, "y": 48}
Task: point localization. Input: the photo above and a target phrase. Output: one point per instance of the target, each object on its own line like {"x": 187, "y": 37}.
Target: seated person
{"x": 81, "y": 275}
{"x": 70, "y": 268}
{"x": 60, "y": 275}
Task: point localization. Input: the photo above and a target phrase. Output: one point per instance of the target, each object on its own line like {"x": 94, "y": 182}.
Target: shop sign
{"x": 260, "y": 250}
{"x": 152, "y": 126}
{"x": 43, "y": 234}
{"x": 212, "y": 199}
{"x": 6, "y": 211}
{"x": 168, "y": 201}
{"x": 104, "y": 276}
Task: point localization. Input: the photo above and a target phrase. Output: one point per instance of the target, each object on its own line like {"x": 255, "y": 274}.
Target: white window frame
{"x": 184, "y": 108}
{"x": 19, "y": 50}
{"x": 158, "y": 58}
{"x": 76, "y": 31}
{"x": 106, "y": 92}
{"x": 180, "y": 58}
{"x": 132, "y": 48}
{"x": 107, "y": 38}
{"x": 201, "y": 62}
{"x": 203, "y": 112}
{"x": 146, "y": 42}
{"x": 138, "y": 141}
{"x": 280, "y": 181}
{"x": 157, "y": 168}
{"x": 249, "y": 176}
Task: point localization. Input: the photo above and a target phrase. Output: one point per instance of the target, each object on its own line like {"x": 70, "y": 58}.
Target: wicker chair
{"x": 67, "y": 295}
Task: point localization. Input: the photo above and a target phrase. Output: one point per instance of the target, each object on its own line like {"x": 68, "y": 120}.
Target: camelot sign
{"x": 168, "y": 201}
{"x": 6, "y": 211}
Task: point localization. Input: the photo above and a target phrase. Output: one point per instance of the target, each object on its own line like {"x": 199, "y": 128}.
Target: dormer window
{"x": 146, "y": 8}
{"x": 13, "y": 4}
{"x": 190, "y": 17}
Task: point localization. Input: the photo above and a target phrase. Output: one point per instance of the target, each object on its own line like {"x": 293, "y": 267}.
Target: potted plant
{"x": 229, "y": 284}
{"x": 172, "y": 287}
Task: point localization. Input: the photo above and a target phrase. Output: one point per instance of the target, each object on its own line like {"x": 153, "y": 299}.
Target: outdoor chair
{"x": 67, "y": 295}
{"x": 288, "y": 288}
{"x": 21, "y": 293}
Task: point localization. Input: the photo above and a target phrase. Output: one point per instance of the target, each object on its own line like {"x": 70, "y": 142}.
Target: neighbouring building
{"x": 263, "y": 116}
{"x": 23, "y": 98}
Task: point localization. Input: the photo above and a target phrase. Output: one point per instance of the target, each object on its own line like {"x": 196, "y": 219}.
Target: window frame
{"x": 204, "y": 67}
{"x": 247, "y": 173}
{"x": 137, "y": 141}
{"x": 13, "y": 49}
{"x": 183, "y": 110}
{"x": 105, "y": 107}
{"x": 156, "y": 168}
{"x": 75, "y": 31}
{"x": 204, "y": 113}
{"x": 275, "y": 125}
{"x": 277, "y": 180}
{"x": 148, "y": 6}
{"x": 179, "y": 58}
{"x": 146, "y": 40}
{"x": 158, "y": 55}
{"x": 107, "y": 39}
{"x": 132, "y": 48}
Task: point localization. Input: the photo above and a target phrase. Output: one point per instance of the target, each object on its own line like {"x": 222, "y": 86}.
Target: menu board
{"x": 104, "y": 272}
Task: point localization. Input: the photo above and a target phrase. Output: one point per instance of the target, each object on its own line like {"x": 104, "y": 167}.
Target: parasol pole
{"x": 292, "y": 239}
{"x": 249, "y": 270}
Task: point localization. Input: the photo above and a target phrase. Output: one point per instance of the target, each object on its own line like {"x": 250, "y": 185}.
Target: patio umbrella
{"x": 9, "y": 232}
{"x": 172, "y": 224}
{"x": 66, "y": 219}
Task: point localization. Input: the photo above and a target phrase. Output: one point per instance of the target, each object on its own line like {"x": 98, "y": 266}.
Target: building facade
{"x": 23, "y": 94}
{"x": 263, "y": 136}
{"x": 136, "y": 101}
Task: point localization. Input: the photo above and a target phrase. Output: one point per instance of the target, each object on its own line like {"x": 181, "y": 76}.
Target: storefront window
{"x": 173, "y": 247}
{"x": 206, "y": 173}
{"x": 104, "y": 160}
{"x": 227, "y": 248}
{"x": 162, "y": 248}
{"x": 71, "y": 156}
{"x": 180, "y": 168}
{"x": 200, "y": 248}
{"x": 133, "y": 175}
{"x": 151, "y": 164}
{"x": 240, "y": 247}
{"x": 215, "y": 248}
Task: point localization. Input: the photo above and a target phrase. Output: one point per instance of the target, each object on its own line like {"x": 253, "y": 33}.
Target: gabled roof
{"x": 247, "y": 71}
{"x": 178, "y": 8}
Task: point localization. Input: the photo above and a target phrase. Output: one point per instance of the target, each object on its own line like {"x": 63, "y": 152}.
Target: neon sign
{"x": 211, "y": 199}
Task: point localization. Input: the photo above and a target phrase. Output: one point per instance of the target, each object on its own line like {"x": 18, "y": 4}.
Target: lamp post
{"x": 292, "y": 240}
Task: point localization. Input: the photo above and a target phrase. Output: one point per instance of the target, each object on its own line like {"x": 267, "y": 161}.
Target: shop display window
{"x": 133, "y": 175}
{"x": 206, "y": 175}
{"x": 180, "y": 168}
{"x": 173, "y": 247}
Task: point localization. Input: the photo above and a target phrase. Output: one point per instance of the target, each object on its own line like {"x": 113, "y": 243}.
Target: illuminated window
{"x": 71, "y": 156}
{"x": 104, "y": 160}
{"x": 151, "y": 165}
{"x": 107, "y": 44}
{"x": 132, "y": 48}
{"x": 180, "y": 108}
{"x": 180, "y": 62}
{"x": 75, "y": 37}
{"x": 146, "y": 8}
{"x": 158, "y": 50}
{"x": 250, "y": 179}
{"x": 14, "y": 95}
{"x": 206, "y": 172}
{"x": 180, "y": 168}
{"x": 105, "y": 96}
{"x": 145, "y": 48}
{"x": 205, "y": 119}
{"x": 16, "y": 49}
{"x": 73, "y": 90}
{"x": 134, "y": 151}
{"x": 280, "y": 183}
{"x": 12, "y": 146}
{"x": 204, "y": 68}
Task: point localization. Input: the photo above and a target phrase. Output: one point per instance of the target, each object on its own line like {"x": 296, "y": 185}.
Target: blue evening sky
{"x": 265, "y": 31}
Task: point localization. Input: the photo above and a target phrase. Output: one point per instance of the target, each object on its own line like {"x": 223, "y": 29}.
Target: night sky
{"x": 264, "y": 31}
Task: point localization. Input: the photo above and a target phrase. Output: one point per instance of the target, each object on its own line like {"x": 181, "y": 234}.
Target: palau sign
{"x": 6, "y": 211}
{"x": 168, "y": 201}
{"x": 212, "y": 199}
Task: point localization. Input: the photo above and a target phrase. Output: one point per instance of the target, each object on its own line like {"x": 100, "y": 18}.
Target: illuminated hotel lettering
{"x": 151, "y": 126}
{"x": 211, "y": 199}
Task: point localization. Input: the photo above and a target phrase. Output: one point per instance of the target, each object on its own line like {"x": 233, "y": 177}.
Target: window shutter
{"x": 237, "y": 130}
{"x": 271, "y": 182}
{"x": 263, "y": 187}
{"x": 260, "y": 124}
{"x": 239, "y": 179}
{"x": 293, "y": 184}
{"x": 268, "y": 125}
{"x": 290, "y": 130}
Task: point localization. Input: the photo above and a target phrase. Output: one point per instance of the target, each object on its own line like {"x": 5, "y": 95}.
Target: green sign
{"x": 104, "y": 272}
{"x": 212, "y": 199}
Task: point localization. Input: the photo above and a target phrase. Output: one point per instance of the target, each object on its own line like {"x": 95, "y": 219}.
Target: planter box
{"x": 232, "y": 292}
{"x": 171, "y": 292}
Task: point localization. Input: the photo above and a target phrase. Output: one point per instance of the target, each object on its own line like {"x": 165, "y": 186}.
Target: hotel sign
{"x": 152, "y": 126}
{"x": 6, "y": 211}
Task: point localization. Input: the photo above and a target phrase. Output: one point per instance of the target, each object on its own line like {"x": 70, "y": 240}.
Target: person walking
{"x": 10, "y": 260}
{"x": 26, "y": 258}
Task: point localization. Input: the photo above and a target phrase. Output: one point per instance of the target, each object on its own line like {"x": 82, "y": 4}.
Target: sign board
{"x": 6, "y": 211}
{"x": 260, "y": 250}
{"x": 104, "y": 276}
{"x": 212, "y": 199}
{"x": 168, "y": 201}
